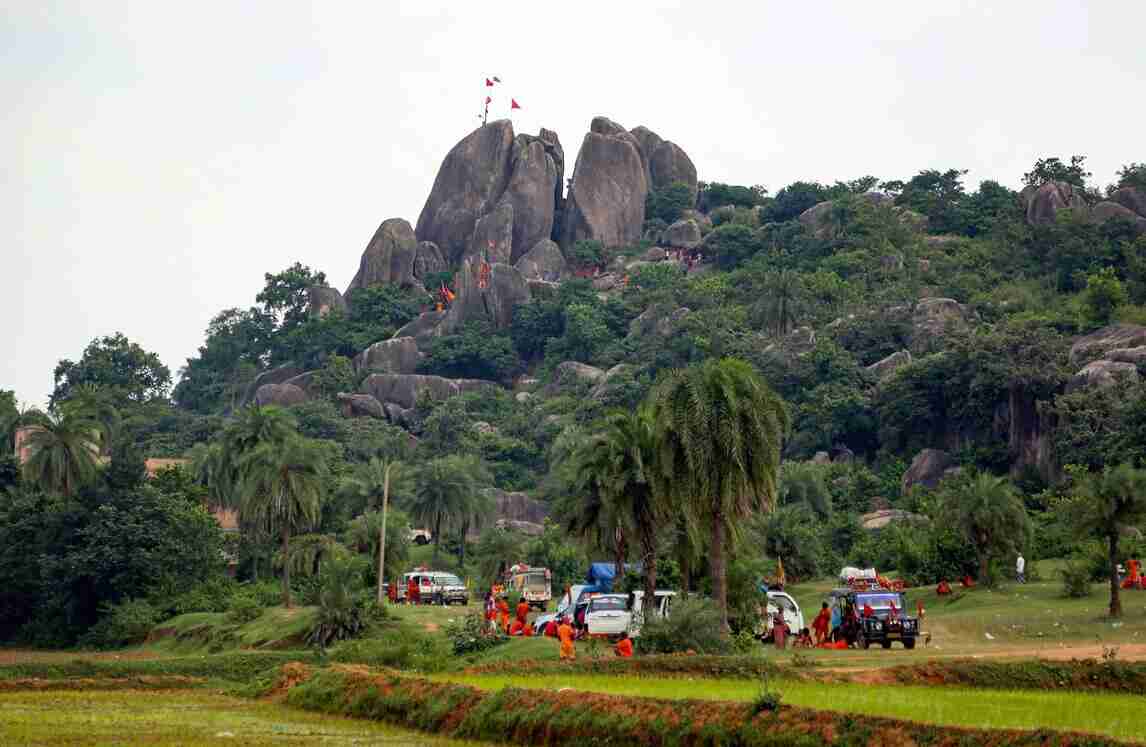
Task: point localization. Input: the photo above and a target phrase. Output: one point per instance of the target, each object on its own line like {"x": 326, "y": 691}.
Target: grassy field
{"x": 181, "y": 718}
{"x": 1113, "y": 715}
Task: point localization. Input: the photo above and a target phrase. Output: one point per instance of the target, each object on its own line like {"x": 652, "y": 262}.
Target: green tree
{"x": 9, "y": 421}
{"x": 793, "y": 200}
{"x": 283, "y": 487}
{"x": 988, "y": 513}
{"x": 1108, "y": 502}
{"x": 586, "y": 254}
{"x": 719, "y": 429}
{"x": 668, "y": 203}
{"x": 782, "y": 302}
{"x": 237, "y": 346}
{"x": 63, "y": 453}
{"x": 127, "y": 372}
{"x": 1054, "y": 170}
{"x": 1132, "y": 175}
{"x": 444, "y": 492}
{"x": 285, "y": 294}
{"x": 371, "y": 482}
{"x": 732, "y": 244}
{"x": 476, "y": 351}
{"x": 586, "y": 333}
{"x": 938, "y": 195}
{"x": 805, "y": 483}
{"x": 1103, "y": 295}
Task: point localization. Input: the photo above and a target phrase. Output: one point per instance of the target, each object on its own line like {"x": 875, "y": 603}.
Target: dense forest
{"x": 919, "y": 377}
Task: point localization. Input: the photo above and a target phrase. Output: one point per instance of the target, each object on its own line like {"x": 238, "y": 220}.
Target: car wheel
{"x": 909, "y": 643}
{"x": 886, "y": 644}
{"x": 863, "y": 642}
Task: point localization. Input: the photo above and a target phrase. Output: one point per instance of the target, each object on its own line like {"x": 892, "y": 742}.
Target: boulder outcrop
{"x": 322, "y": 300}
{"x": 493, "y": 303}
{"x": 277, "y": 375}
{"x": 573, "y": 372}
{"x": 1108, "y": 210}
{"x": 606, "y": 200}
{"x": 404, "y": 389}
{"x": 1044, "y": 202}
{"x": 927, "y": 469}
{"x": 668, "y": 164}
{"x": 1097, "y": 343}
{"x": 389, "y": 257}
{"x": 885, "y": 517}
{"x": 425, "y": 327}
{"x": 1137, "y": 355}
{"x": 931, "y": 320}
{"x": 492, "y": 239}
{"x": 609, "y": 382}
{"x": 428, "y": 260}
{"x": 1101, "y": 374}
{"x": 684, "y": 234}
{"x": 398, "y": 355}
{"x": 517, "y": 507}
{"x": 543, "y": 262}
{"x": 361, "y": 406}
{"x": 1130, "y": 198}
{"x": 883, "y": 369}
{"x": 280, "y": 395}
{"x": 530, "y": 193}
{"x": 657, "y": 320}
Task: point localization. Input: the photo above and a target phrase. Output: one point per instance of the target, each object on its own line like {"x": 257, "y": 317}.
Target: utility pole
{"x": 382, "y": 532}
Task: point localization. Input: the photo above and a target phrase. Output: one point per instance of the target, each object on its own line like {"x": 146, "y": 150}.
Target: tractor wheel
{"x": 909, "y": 643}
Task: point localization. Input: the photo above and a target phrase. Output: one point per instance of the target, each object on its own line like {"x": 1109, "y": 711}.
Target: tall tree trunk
{"x": 685, "y": 572}
{"x": 984, "y": 567}
{"x": 716, "y": 559}
{"x": 382, "y": 536}
{"x": 649, "y": 557}
{"x": 437, "y": 537}
{"x": 1115, "y": 595}
{"x": 462, "y": 547}
{"x": 286, "y": 565}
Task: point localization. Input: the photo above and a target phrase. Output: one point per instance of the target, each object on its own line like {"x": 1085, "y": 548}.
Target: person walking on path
{"x": 1021, "y": 569}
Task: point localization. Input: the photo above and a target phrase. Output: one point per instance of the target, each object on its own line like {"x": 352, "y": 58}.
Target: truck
{"x": 779, "y": 601}
{"x": 887, "y": 623}
{"x": 532, "y": 584}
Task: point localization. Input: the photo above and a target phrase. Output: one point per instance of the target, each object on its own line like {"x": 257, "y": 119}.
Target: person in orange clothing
{"x": 624, "y": 648}
{"x": 1133, "y": 579}
{"x": 943, "y": 588}
{"x": 565, "y": 635}
{"x": 412, "y": 592}
{"x": 528, "y": 630}
{"x": 522, "y": 611}
{"x": 503, "y": 614}
{"x": 551, "y": 629}
{"x": 967, "y": 582}
{"x": 516, "y": 628}
{"x": 867, "y": 610}
{"x": 822, "y": 624}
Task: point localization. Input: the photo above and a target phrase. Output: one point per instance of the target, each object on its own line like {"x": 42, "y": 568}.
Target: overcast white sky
{"x": 159, "y": 157}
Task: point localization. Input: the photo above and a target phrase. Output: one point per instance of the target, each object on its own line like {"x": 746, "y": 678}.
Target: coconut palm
{"x": 63, "y": 452}
{"x": 282, "y": 488}
{"x": 782, "y": 302}
{"x": 1109, "y": 503}
{"x": 443, "y": 487}
{"x": 719, "y": 429}
{"x": 988, "y": 513}
{"x": 95, "y": 403}
{"x": 370, "y": 482}
{"x": 591, "y": 512}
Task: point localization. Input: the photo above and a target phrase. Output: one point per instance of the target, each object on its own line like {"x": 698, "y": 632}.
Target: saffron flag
{"x": 488, "y": 82}
{"x": 513, "y": 104}
{"x": 488, "y": 99}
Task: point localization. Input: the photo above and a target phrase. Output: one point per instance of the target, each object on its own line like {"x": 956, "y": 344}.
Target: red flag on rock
{"x": 513, "y": 104}
{"x": 488, "y": 82}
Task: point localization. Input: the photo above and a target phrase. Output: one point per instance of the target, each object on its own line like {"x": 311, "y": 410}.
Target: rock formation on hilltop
{"x": 606, "y": 200}
{"x": 389, "y": 257}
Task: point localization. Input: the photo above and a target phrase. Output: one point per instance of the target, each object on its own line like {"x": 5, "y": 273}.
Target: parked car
{"x": 572, "y": 602}
{"x": 779, "y": 601}
{"x": 609, "y": 615}
{"x": 421, "y": 536}
{"x": 888, "y": 623}
{"x": 434, "y": 587}
{"x": 533, "y": 584}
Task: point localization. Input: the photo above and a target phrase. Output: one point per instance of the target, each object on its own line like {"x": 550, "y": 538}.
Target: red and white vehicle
{"x": 533, "y": 584}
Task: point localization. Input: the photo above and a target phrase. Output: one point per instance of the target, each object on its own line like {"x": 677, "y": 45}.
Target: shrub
{"x": 668, "y": 203}
{"x": 767, "y": 700}
{"x": 585, "y": 254}
{"x": 398, "y": 648}
{"x": 1075, "y": 580}
{"x": 694, "y": 625}
{"x": 243, "y": 609}
{"x": 341, "y": 605}
{"x": 470, "y": 634}
{"x": 122, "y": 624}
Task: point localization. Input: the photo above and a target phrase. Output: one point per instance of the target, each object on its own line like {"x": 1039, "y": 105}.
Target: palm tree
{"x": 620, "y": 461}
{"x": 590, "y": 511}
{"x": 1111, "y": 501}
{"x": 282, "y": 488}
{"x": 988, "y": 513}
{"x": 719, "y": 429}
{"x": 442, "y": 488}
{"x": 95, "y": 404}
{"x": 474, "y": 511}
{"x": 783, "y": 298}
{"x": 371, "y": 481}
{"x": 64, "y": 451}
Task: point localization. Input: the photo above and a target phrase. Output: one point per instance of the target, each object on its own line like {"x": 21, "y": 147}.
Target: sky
{"x": 157, "y": 158}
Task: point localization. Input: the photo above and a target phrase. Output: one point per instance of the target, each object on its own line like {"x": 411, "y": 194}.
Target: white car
{"x": 612, "y": 614}
{"x": 779, "y": 601}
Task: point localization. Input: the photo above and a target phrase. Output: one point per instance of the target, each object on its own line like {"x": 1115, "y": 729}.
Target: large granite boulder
{"x": 574, "y": 372}
{"x": 609, "y": 382}
{"x": 389, "y": 257}
{"x": 276, "y": 375}
{"x": 543, "y": 262}
{"x": 1097, "y": 343}
{"x": 1130, "y": 198}
{"x": 471, "y": 180}
{"x": 1044, "y": 202}
{"x": 361, "y": 406}
{"x": 1108, "y": 210}
{"x": 606, "y": 199}
{"x": 647, "y": 144}
{"x": 884, "y": 368}
{"x": 397, "y": 355}
{"x": 1101, "y": 374}
{"x": 494, "y": 303}
{"x": 927, "y": 469}
{"x": 815, "y": 219}
{"x": 1137, "y": 355}
{"x": 683, "y": 234}
{"x": 668, "y": 164}
{"x": 517, "y": 507}
{"x": 280, "y": 395}
{"x": 932, "y": 319}
{"x": 530, "y": 192}
{"x": 492, "y": 239}
{"x": 657, "y": 320}
{"x": 404, "y": 389}
{"x": 553, "y": 148}
{"x": 424, "y": 328}
{"x": 428, "y": 260}
{"x": 322, "y": 300}
{"x": 885, "y": 517}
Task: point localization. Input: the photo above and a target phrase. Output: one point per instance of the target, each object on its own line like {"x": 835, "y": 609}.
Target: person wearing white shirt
{"x": 1020, "y": 569}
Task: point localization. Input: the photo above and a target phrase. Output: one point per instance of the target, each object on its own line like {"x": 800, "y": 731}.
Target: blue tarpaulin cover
{"x": 602, "y": 575}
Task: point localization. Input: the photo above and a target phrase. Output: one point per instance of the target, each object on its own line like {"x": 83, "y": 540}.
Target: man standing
{"x": 1020, "y": 569}
{"x": 821, "y": 624}
{"x": 565, "y": 635}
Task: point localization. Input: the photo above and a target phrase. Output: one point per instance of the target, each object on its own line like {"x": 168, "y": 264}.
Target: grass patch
{"x": 1086, "y": 674}
{"x": 1095, "y": 713}
{"x": 232, "y": 667}
{"x": 184, "y": 718}
{"x": 276, "y": 627}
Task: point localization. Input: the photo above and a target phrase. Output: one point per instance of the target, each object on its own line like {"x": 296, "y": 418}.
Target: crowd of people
{"x": 564, "y": 629}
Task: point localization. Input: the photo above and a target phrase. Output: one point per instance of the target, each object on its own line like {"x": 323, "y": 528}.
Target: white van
{"x": 609, "y": 615}
{"x": 779, "y": 601}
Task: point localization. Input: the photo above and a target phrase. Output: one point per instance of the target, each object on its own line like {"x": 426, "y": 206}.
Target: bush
{"x": 668, "y": 203}
{"x": 1075, "y": 580}
{"x": 342, "y": 606}
{"x": 694, "y": 625}
{"x": 398, "y": 648}
{"x": 470, "y": 634}
{"x": 586, "y": 254}
{"x": 243, "y": 609}
{"x": 122, "y": 624}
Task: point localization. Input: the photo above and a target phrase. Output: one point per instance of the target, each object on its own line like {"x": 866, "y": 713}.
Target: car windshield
{"x": 880, "y": 601}
{"x": 782, "y": 603}
{"x": 449, "y": 581}
{"x": 607, "y": 603}
{"x": 535, "y": 579}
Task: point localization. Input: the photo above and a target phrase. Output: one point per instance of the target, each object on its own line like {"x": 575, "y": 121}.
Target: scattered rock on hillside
{"x": 605, "y": 282}
{"x": 517, "y": 506}
{"x": 278, "y": 375}
{"x": 684, "y": 234}
{"x": 281, "y": 395}
{"x": 322, "y": 300}
{"x": 1044, "y": 202}
{"x": 931, "y": 320}
{"x": 655, "y": 254}
{"x": 606, "y": 199}
{"x": 657, "y": 320}
{"x": 1137, "y": 355}
{"x": 1131, "y": 198}
{"x": 543, "y": 262}
{"x": 607, "y": 383}
{"x": 883, "y": 518}
{"x": 926, "y": 469}
{"x": 494, "y": 303}
{"x": 398, "y": 415}
{"x": 389, "y": 257}
{"x": 361, "y": 406}
{"x": 471, "y": 180}
{"x": 424, "y": 328}
{"x": 1097, "y": 343}
{"x": 571, "y": 372}
{"x": 821, "y": 458}
{"x": 1101, "y": 374}
{"x": 1108, "y": 210}
{"x": 397, "y": 355}
{"x": 883, "y": 369}
{"x": 404, "y": 389}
